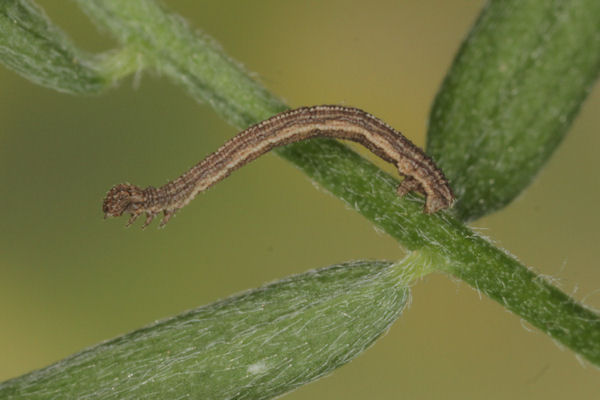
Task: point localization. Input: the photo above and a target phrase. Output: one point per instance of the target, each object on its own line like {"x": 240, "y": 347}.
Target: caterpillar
{"x": 422, "y": 175}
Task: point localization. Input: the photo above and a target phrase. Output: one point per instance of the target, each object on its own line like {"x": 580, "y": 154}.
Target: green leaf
{"x": 32, "y": 46}
{"x": 510, "y": 97}
{"x": 256, "y": 345}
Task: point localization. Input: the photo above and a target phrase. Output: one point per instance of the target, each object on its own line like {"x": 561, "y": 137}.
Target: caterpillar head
{"x": 123, "y": 198}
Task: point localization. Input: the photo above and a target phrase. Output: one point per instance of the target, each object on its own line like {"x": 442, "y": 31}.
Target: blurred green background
{"x": 69, "y": 279}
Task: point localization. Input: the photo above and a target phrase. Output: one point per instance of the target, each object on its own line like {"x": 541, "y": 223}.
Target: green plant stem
{"x": 543, "y": 305}
{"x": 194, "y": 61}
{"x": 168, "y": 44}
{"x": 454, "y": 248}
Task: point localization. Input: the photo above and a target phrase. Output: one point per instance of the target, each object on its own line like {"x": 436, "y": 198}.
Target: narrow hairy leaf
{"x": 510, "y": 96}
{"x": 32, "y": 46}
{"x": 360, "y": 184}
{"x": 252, "y": 346}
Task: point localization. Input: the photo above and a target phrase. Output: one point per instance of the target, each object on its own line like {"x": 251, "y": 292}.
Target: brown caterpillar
{"x": 422, "y": 175}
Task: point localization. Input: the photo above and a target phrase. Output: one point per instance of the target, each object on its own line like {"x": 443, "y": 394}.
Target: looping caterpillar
{"x": 422, "y": 175}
